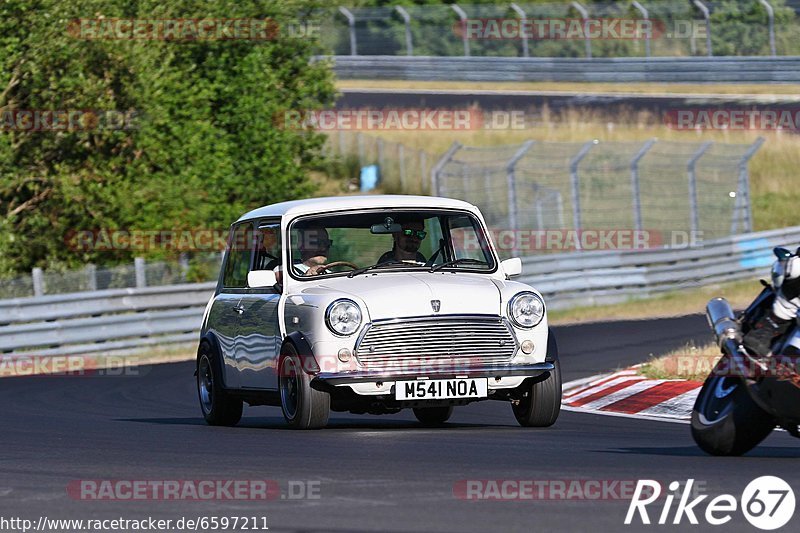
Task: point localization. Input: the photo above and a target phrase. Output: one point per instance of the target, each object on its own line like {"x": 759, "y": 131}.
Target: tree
{"x": 204, "y": 142}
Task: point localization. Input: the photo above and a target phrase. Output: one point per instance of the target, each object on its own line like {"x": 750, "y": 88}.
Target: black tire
{"x": 540, "y": 404}
{"x": 433, "y": 416}
{"x": 725, "y": 419}
{"x": 218, "y": 407}
{"x": 302, "y": 406}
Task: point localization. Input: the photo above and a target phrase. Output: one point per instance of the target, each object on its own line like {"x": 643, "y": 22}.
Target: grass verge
{"x": 671, "y": 304}
{"x": 773, "y": 170}
{"x": 689, "y": 362}
{"x": 88, "y": 365}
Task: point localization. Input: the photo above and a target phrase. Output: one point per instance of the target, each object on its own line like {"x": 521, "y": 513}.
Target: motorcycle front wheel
{"x": 725, "y": 419}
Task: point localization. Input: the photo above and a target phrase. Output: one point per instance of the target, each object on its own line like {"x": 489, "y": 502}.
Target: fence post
{"x": 576, "y": 186}
{"x": 690, "y": 168}
{"x": 522, "y": 18}
{"x": 511, "y": 184}
{"x": 645, "y": 16}
{"x": 407, "y": 23}
{"x": 37, "y": 277}
{"x": 706, "y": 15}
{"x": 771, "y": 16}
{"x": 745, "y": 209}
{"x": 463, "y": 17}
{"x": 437, "y": 168}
{"x": 637, "y": 201}
{"x": 423, "y": 167}
{"x": 351, "y": 23}
{"x": 585, "y": 16}
{"x": 379, "y": 142}
{"x": 139, "y": 269}
{"x": 340, "y": 135}
{"x": 91, "y": 277}
{"x": 401, "y": 156}
{"x": 360, "y": 143}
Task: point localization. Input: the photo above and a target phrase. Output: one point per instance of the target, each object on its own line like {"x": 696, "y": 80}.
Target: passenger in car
{"x": 406, "y": 243}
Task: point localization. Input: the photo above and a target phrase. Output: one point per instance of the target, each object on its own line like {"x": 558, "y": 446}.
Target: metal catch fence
{"x": 402, "y": 169}
{"x": 689, "y": 28}
{"x": 699, "y": 188}
{"x": 139, "y": 274}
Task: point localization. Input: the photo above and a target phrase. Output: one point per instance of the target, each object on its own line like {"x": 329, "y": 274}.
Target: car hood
{"x": 396, "y": 295}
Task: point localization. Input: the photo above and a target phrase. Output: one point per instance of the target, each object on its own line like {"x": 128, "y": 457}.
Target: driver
{"x": 314, "y": 245}
{"x": 782, "y": 314}
{"x": 406, "y": 243}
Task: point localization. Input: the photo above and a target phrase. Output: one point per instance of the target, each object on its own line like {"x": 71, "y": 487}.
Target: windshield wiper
{"x": 361, "y": 270}
{"x": 463, "y": 260}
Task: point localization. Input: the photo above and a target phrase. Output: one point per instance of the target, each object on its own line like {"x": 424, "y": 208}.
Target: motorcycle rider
{"x": 784, "y": 310}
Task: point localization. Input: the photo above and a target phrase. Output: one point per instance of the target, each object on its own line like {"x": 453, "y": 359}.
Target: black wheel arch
{"x": 212, "y": 342}
{"x": 304, "y": 351}
{"x": 552, "y": 346}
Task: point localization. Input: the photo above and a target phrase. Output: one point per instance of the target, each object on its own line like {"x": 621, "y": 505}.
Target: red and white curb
{"x": 626, "y": 393}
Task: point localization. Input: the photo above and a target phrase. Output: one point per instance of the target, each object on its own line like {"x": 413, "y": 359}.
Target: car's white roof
{"x": 341, "y": 203}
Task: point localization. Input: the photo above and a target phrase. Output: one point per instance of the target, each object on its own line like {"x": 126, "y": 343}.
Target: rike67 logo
{"x": 767, "y": 503}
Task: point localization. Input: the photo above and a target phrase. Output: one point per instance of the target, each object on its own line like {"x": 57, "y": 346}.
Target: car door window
{"x": 268, "y": 246}
{"x": 239, "y": 251}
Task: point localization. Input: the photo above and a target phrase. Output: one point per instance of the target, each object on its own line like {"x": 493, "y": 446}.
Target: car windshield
{"x": 351, "y": 244}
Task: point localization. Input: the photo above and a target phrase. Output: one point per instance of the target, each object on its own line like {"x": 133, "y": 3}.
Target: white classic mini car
{"x": 372, "y": 304}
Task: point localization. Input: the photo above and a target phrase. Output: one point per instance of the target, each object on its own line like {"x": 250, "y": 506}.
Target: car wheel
{"x": 433, "y": 416}
{"x": 540, "y": 404}
{"x": 219, "y": 408}
{"x": 302, "y": 406}
{"x": 725, "y": 419}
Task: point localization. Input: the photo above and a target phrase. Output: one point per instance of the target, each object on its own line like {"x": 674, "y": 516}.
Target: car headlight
{"x": 343, "y": 317}
{"x": 526, "y": 309}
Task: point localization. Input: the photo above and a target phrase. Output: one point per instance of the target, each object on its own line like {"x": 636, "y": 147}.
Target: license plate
{"x": 437, "y": 389}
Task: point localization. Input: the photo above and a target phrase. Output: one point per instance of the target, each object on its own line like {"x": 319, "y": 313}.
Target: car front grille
{"x": 456, "y": 340}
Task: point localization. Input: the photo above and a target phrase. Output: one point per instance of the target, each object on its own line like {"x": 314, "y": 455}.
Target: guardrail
{"x": 590, "y": 278}
{"x": 103, "y": 321}
{"x": 125, "y": 319}
{"x": 624, "y": 69}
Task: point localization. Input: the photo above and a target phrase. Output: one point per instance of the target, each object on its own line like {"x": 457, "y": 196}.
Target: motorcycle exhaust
{"x": 729, "y": 338}
{"x": 723, "y": 322}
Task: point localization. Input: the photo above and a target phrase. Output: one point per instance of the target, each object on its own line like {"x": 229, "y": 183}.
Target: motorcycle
{"x": 747, "y": 395}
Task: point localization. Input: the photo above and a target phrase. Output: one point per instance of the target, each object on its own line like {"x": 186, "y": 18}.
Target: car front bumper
{"x": 490, "y": 371}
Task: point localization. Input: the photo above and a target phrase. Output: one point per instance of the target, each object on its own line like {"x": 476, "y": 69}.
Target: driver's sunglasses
{"x": 418, "y": 233}
{"x": 324, "y": 244}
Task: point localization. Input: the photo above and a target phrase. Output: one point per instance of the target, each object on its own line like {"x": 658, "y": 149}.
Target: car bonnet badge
{"x": 436, "y": 305}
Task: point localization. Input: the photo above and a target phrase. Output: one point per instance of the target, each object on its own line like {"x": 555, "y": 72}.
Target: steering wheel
{"x": 322, "y": 268}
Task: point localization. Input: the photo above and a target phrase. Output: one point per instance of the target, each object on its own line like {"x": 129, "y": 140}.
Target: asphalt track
{"x": 374, "y": 473}
{"x": 532, "y": 101}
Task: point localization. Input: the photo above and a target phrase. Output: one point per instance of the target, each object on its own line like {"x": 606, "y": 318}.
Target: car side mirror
{"x": 259, "y": 279}
{"x": 512, "y": 267}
